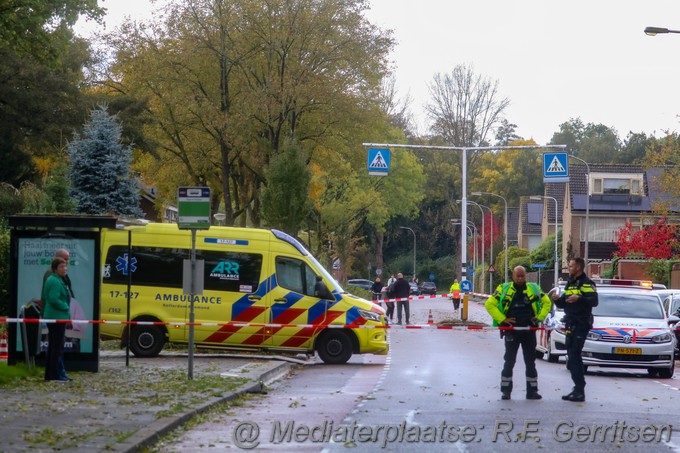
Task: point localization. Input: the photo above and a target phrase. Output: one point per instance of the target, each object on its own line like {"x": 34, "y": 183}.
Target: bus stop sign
{"x": 193, "y": 206}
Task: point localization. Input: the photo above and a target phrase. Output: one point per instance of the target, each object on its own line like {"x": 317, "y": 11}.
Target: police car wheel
{"x": 147, "y": 341}
{"x": 334, "y": 347}
{"x": 667, "y": 373}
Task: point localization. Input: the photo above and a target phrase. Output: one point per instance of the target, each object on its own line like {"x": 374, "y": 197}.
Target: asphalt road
{"x": 438, "y": 390}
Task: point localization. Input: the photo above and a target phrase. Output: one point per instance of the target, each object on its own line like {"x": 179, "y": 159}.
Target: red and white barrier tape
{"x": 431, "y": 296}
{"x": 280, "y": 326}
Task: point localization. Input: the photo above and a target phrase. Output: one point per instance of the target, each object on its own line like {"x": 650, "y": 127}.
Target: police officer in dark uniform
{"x": 519, "y": 304}
{"x": 578, "y": 300}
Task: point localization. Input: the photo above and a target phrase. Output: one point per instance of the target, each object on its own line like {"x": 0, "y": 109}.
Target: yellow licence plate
{"x": 627, "y": 351}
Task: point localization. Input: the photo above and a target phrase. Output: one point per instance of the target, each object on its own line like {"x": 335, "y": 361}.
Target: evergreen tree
{"x": 285, "y": 200}
{"x": 100, "y": 168}
{"x": 57, "y": 188}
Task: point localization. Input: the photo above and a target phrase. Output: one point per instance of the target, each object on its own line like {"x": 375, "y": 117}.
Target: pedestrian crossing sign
{"x": 555, "y": 167}
{"x": 378, "y": 161}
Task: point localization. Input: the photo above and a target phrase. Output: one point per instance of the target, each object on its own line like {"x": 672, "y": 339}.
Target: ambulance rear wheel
{"x": 147, "y": 341}
{"x": 334, "y": 347}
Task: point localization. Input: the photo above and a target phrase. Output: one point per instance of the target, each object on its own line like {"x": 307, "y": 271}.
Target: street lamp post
{"x": 490, "y": 244}
{"x": 653, "y": 31}
{"x": 474, "y": 234}
{"x": 483, "y": 236}
{"x": 505, "y": 227}
{"x": 587, "y": 233}
{"x": 414, "y": 248}
{"x": 539, "y": 197}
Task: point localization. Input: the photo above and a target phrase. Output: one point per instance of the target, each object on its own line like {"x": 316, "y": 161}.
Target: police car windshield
{"x": 628, "y": 306}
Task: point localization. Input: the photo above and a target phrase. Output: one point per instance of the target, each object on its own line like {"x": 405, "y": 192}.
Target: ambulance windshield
{"x": 318, "y": 267}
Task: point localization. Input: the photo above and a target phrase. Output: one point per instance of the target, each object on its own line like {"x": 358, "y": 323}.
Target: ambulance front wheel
{"x": 147, "y": 341}
{"x": 334, "y": 347}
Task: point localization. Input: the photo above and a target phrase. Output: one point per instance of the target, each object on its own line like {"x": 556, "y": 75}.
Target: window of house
{"x": 535, "y": 213}
{"x": 602, "y": 229}
{"x": 604, "y": 184}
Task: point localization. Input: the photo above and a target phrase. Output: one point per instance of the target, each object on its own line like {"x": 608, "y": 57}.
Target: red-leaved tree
{"x": 657, "y": 241}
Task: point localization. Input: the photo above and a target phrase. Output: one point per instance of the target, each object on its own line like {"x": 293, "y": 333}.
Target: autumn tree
{"x": 228, "y": 81}
{"x": 656, "y": 241}
{"x": 663, "y": 157}
{"x": 465, "y": 107}
{"x": 352, "y": 200}
{"x": 512, "y": 173}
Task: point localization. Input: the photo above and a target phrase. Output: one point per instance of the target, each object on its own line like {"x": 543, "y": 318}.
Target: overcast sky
{"x": 553, "y": 60}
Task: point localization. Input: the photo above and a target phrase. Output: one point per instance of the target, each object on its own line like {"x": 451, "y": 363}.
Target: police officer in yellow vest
{"x": 524, "y": 305}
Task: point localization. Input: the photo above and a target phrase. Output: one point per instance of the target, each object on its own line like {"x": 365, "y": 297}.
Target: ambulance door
{"x": 233, "y": 302}
{"x": 294, "y": 307}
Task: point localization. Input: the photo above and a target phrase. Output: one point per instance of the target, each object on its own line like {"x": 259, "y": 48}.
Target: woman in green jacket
{"x": 56, "y": 300}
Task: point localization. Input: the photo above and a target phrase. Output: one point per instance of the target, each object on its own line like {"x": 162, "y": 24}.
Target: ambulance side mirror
{"x": 321, "y": 291}
{"x": 326, "y": 294}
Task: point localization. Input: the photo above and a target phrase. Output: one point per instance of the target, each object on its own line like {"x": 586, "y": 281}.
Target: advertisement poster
{"x": 34, "y": 258}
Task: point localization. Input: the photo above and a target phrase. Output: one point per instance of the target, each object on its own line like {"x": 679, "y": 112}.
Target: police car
{"x": 549, "y": 346}
{"x": 671, "y": 303}
{"x": 630, "y": 329}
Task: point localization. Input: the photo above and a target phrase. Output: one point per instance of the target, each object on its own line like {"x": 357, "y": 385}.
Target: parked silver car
{"x": 360, "y": 283}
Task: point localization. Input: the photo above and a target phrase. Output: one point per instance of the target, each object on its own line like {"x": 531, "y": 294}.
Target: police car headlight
{"x": 369, "y": 315}
{"x": 663, "y": 338}
{"x": 593, "y": 336}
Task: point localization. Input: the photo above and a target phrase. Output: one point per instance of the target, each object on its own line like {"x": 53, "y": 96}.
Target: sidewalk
{"x": 123, "y": 409}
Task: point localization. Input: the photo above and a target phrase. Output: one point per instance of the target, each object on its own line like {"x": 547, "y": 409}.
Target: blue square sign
{"x": 378, "y": 161}
{"x": 466, "y": 286}
{"x": 555, "y": 167}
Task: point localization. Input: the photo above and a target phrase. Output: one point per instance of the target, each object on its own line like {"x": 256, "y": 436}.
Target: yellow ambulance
{"x": 262, "y": 290}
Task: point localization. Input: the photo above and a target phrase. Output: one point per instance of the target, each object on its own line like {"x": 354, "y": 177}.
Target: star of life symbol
{"x": 556, "y": 166}
{"x": 378, "y": 161}
{"x": 122, "y": 264}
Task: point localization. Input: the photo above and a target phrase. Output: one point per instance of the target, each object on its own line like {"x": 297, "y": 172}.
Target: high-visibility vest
{"x": 536, "y": 305}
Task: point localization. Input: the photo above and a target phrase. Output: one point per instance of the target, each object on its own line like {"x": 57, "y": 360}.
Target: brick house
{"x": 620, "y": 193}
